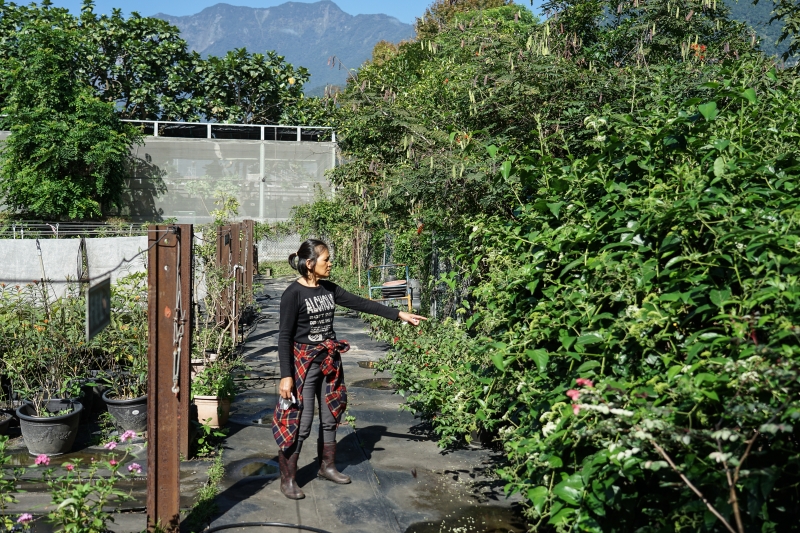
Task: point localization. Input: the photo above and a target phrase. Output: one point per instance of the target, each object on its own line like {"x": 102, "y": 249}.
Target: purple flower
{"x": 69, "y": 468}
{"x": 110, "y": 446}
{"x": 135, "y": 467}
{"x": 42, "y": 460}
{"x": 128, "y": 435}
{"x": 24, "y": 518}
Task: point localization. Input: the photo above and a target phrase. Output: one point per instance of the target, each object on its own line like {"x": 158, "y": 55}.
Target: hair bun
{"x": 294, "y": 261}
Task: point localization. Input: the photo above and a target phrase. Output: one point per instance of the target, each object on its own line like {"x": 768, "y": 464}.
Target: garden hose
{"x": 265, "y": 524}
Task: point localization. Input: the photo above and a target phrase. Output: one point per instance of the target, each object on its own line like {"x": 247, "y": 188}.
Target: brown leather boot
{"x": 288, "y": 467}
{"x": 327, "y": 465}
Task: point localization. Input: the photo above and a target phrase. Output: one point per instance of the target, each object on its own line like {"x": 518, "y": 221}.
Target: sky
{"x": 405, "y": 10}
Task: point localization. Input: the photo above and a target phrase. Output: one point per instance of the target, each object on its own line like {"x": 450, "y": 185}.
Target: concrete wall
{"x": 20, "y": 265}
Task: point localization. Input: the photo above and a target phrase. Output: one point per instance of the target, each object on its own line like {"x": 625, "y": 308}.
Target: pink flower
{"x": 42, "y": 460}
{"x": 576, "y": 409}
{"x": 24, "y": 518}
{"x": 584, "y": 382}
{"x": 128, "y": 435}
{"x": 69, "y": 468}
{"x": 110, "y": 446}
{"x": 573, "y": 395}
{"x": 135, "y": 467}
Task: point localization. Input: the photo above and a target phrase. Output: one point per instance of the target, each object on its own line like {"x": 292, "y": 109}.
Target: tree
{"x": 441, "y": 12}
{"x": 140, "y": 64}
{"x": 67, "y": 153}
{"x": 248, "y": 88}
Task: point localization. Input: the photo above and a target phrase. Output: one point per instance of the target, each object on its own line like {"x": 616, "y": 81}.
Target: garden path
{"x": 402, "y": 482}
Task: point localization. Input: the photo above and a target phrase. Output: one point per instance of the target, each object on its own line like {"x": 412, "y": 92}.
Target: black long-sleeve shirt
{"x": 307, "y": 316}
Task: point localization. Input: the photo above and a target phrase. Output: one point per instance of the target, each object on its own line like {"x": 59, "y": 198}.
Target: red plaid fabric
{"x": 286, "y": 423}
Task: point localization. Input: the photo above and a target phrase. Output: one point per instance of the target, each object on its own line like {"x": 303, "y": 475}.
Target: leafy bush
{"x": 640, "y": 320}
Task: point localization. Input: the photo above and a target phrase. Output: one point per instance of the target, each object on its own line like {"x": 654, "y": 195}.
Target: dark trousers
{"x": 314, "y": 388}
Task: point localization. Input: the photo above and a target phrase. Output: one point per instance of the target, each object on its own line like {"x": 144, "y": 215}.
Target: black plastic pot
{"x": 86, "y": 398}
{"x": 128, "y": 415}
{"x": 53, "y": 435}
{"x": 5, "y": 421}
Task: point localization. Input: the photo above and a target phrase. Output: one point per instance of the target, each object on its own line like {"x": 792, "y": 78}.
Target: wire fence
{"x": 65, "y": 230}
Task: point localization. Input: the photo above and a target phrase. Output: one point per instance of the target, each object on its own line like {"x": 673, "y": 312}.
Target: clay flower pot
{"x": 211, "y": 407}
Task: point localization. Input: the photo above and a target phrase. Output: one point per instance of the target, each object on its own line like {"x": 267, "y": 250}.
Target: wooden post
{"x": 169, "y": 269}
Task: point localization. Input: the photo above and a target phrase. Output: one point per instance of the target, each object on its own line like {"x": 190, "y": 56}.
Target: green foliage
{"x": 8, "y": 486}
{"x": 82, "y": 495}
{"x": 249, "y": 88}
{"x": 442, "y": 12}
{"x": 43, "y": 347}
{"x": 208, "y": 440}
{"x": 67, "y": 153}
{"x": 620, "y": 201}
{"x": 216, "y": 379}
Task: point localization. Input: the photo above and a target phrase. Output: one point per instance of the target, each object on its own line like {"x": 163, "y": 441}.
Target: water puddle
{"x": 17, "y": 459}
{"x": 252, "y": 375}
{"x": 252, "y": 400}
{"x": 367, "y": 364}
{"x": 475, "y": 519}
{"x": 260, "y": 469}
{"x": 375, "y": 384}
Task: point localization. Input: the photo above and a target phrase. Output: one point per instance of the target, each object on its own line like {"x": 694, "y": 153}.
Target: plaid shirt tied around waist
{"x": 286, "y": 422}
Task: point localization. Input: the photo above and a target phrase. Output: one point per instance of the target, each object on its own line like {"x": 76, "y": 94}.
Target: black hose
{"x": 265, "y": 524}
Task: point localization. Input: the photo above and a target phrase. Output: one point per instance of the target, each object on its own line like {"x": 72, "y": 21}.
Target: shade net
{"x": 181, "y": 178}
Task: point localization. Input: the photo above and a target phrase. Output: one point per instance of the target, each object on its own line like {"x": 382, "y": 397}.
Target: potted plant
{"x": 42, "y": 357}
{"x": 126, "y": 396}
{"x": 212, "y": 392}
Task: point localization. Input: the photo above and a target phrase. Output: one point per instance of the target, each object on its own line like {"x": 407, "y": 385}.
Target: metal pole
{"x": 261, "y": 179}
{"x": 168, "y": 394}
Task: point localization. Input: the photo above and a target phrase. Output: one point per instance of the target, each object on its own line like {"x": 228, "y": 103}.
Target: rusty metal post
{"x": 224, "y": 259}
{"x": 168, "y": 398}
{"x": 249, "y": 266}
{"x": 236, "y": 269}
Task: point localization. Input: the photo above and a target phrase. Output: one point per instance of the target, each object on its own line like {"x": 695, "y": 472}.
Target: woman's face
{"x": 323, "y": 267}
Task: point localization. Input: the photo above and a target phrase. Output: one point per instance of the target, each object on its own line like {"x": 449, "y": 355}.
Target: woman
{"x": 311, "y": 364}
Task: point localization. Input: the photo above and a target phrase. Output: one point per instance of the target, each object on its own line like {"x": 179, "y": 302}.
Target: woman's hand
{"x": 411, "y": 318}
{"x": 286, "y": 388}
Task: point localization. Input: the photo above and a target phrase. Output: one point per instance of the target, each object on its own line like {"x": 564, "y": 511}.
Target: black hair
{"x": 310, "y": 249}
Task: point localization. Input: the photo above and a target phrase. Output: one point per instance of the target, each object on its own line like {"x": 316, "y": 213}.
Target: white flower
{"x": 549, "y": 428}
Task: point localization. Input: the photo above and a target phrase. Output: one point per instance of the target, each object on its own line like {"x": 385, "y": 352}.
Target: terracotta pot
{"x": 213, "y": 408}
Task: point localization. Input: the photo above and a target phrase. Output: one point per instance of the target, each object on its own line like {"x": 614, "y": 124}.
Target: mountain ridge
{"x": 306, "y": 34}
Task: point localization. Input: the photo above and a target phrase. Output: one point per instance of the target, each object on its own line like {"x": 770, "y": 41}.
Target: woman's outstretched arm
{"x": 357, "y": 303}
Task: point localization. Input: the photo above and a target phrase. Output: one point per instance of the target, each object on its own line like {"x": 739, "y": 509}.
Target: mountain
{"x": 306, "y": 34}
{"x": 757, "y": 16}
